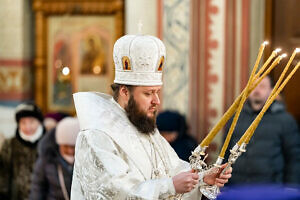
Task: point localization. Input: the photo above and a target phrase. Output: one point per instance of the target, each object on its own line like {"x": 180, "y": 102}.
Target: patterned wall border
{"x": 206, "y": 66}
{"x": 219, "y": 64}
{"x": 15, "y": 62}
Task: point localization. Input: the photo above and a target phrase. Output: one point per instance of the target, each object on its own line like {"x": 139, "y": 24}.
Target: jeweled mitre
{"x": 139, "y": 60}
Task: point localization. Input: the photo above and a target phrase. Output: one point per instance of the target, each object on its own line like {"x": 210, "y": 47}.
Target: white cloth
{"x": 34, "y": 137}
{"x": 111, "y": 159}
{"x": 144, "y": 56}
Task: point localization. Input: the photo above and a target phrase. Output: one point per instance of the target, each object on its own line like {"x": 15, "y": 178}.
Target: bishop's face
{"x": 142, "y": 107}
{"x": 147, "y": 99}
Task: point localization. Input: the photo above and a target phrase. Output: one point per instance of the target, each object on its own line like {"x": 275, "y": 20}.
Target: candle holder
{"x": 198, "y": 156}
{"x": 175, "y": 197}
{"x": 197, "y": 163}
{"x": 197, "y": 159}
{"x": 235, "y": 152}
{"x": 212, "y": 191}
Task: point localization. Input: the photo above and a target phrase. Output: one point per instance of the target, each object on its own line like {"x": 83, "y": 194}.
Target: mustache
{"x": 153, "y": 107}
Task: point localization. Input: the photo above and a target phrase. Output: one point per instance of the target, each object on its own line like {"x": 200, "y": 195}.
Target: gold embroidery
{"x": 126, "y": 63}
{"x": 161, "y": 64}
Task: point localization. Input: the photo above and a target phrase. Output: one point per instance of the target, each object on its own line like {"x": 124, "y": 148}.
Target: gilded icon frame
{"x": 76, "y": 35}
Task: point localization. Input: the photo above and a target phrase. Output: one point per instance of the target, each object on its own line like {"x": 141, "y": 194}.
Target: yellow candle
{"x": 274, "y": 53}
{"x": 250, "y": 131}
{"x": 281, "y": 77}
{"x": 261, "y": 50}
{"x": 274, "y": 64}
{"x": 210, "y": 136}
{"x": 228, "y": 114}
{"x": 285, "y": 69}
{"x": 241, "y": 104}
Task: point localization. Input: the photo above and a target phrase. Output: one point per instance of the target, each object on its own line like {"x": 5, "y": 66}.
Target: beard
{"x": 139, "y": 119}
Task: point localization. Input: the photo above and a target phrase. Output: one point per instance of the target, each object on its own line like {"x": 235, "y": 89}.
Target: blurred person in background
{"x": 19, "y": 154}
{"x": 173, "y": 127}
{"x": 52, "y": 176}
{"x": 273, "y": 153}
{"x": 51, "y": 119}
{"x": 2, "y": 139}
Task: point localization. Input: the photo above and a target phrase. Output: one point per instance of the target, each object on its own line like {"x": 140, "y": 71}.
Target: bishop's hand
{"x": 216, "y": 177}
{"x": 185, "y": 181}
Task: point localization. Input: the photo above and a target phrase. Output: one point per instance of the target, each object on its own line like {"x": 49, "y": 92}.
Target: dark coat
{"x": 45, "y": 181}
{"x": 184, "y": 144}
{"x": 273, "y": 153}
{"x": 17, "y": 158}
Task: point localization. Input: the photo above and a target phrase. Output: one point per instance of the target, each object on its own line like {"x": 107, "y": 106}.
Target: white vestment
{"x": 113, "y": 160}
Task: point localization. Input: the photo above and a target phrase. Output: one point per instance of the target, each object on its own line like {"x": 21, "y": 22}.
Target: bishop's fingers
{"x": 225, "y": 176}
{"x": 228, "y": 171}
{"x": 221, "y": 181}
{"x": 195, "y": 176}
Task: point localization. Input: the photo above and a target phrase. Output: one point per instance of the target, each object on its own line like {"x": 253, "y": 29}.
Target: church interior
{"x": 50, "y": 49}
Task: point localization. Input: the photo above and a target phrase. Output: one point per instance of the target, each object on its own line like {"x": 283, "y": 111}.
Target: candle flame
{"x": 283, "y": 55}
{"x": 297, "y": 50}
{"x": 277, "y": 50}
{"x": 265, "y": 43}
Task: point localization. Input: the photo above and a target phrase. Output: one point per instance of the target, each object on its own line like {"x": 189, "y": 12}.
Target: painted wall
{"x": 144, "y": 11}
{"x": 257, "y": 31}
{"x": 171, "y": 20}
{"x": 15, "y": 51}
{"x": 225, "y": 39}
{"x": 16, "y": 42}
{"x": 176, "y": 36}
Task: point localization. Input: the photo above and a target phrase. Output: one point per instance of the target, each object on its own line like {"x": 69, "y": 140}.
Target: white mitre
{"x": 139, "y": 60}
